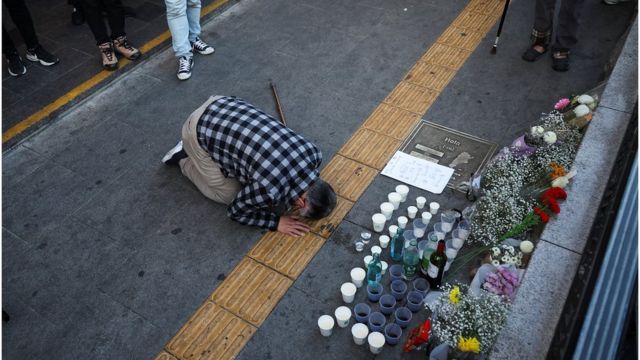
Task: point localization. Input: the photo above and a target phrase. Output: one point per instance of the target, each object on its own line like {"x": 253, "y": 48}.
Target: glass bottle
{"x": 410, "y": 260}
{"x": 374, "y": 271}
{"x": 397, "y": 244}
{"x": 437, "y": 262}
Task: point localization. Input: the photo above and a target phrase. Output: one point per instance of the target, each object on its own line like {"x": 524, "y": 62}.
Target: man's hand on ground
{"x": 291, "y": 225}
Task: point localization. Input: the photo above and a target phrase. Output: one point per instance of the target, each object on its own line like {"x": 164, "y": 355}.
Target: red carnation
{"x": 543, "y": 215}
{"x": 553, "y": 205}
{"x": 556, "y": 193}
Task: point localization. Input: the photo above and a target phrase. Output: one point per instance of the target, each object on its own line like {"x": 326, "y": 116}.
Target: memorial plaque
{"x": 466, "y": 154}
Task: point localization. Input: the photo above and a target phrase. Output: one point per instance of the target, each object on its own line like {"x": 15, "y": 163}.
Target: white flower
{"x": 526, "y": 247}
{"x": 550, "y": 137}
{"x": 581, "y": 110}
{"x": 519, "y": 263}
{"x": 585, "y": 99}
{"x": 537, "y": 130}
{"x": 495, "y": 263}
{"x": 496, "y": 251}
{"x": 560, "y": 182}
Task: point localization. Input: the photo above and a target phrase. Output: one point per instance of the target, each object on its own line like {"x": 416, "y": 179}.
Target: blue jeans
{"x": 183, "y": 17}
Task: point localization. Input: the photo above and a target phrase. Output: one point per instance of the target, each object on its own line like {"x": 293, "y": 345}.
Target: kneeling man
{"x": 238, "y": 155}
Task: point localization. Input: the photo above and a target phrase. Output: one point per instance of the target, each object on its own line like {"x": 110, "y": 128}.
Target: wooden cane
{"x": 278, "y": 105}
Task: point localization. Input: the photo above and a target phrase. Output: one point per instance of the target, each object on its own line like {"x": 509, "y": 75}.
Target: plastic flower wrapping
{"x": 470, "y": 325}
{"x": 503, "y": 282}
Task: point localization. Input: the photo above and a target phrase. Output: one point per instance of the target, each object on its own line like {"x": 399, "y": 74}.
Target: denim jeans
{"x": 183, "y": 17}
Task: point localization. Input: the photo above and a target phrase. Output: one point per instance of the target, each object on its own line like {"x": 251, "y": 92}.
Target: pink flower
{"x": 561, "y": 104}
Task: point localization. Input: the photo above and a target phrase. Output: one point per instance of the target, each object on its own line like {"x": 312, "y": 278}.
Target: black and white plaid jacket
{"x": 274, "y": 164}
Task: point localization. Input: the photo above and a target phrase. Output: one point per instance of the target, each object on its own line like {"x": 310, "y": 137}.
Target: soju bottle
{"x": 397, "y": 243}
{"x": 437, "y": 263}
{"x": 374, "y": 271}
{"x": 410, "y": 260}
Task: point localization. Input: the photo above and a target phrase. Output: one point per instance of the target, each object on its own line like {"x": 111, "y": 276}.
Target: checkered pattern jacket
{"x": 274, "y": 165}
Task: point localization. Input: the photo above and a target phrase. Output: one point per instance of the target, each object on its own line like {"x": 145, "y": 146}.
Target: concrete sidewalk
{"x": 107, "y": 252}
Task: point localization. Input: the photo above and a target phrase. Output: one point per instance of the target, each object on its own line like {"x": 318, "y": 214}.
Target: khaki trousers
{"x": 200, "y": 168}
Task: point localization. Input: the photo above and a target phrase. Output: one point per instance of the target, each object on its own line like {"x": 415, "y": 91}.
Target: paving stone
{"x": 286, "y": 254}
{"x": 163, "y": 355}
{"x": 430, "y": 75}
{"x": 325, "y": 227}
{"x": 370, "y": 148}
{"x": 461, "y": 38}
{"x": 392, "y": 121}
{"x": 411, "y": 97}
{"x": 18, "y": 164}
{"x": 622, "y": 90}
{"x": 347, "y": 177}
{"x": 445, "y": 55}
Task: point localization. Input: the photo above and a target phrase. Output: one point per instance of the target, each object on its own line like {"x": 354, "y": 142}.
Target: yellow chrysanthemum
{"x": 454, "y": 295}
{"x": 469, "y": 344}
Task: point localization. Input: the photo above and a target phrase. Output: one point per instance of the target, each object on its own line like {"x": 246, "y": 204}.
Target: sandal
{"x": 538, "y": 40}
{"x": 560, "y": 61}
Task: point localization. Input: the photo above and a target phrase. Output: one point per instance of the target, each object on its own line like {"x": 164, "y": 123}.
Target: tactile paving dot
{"x": 474, "y": 21}
{"x": 251, "y": 291}
{"x": 287, "y": 254}
{"x": 370, "y": 148}
{"x": 325, "y": 227}
{"x": 347, "y": 177}
{"x": 211, "y": 333}
{"x": 462, "y": 38}
{"x": 411, "y": 97}
{"x": 430, "y": 75}
{"x": 392, "y": 121}
{"x": 445, "y": 55}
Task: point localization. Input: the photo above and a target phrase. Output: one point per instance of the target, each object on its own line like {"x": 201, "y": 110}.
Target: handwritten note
{"x": 417, "y": 172}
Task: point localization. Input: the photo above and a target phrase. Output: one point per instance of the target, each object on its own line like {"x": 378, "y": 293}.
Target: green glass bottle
{"x": 397, "y": 243}
{"x": 374, "y": 270}
{"x": 410, "y": 260}
{"x": 437, "y": 262}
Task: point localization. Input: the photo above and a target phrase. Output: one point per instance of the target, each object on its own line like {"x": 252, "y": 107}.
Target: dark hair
{"x": 321, "y": 200}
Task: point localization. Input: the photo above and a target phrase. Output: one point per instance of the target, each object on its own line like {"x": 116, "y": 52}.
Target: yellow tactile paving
{"x": 487, "y": 7}
{"x": 430, "y": 75}
{"x": 286, "y": 254}
{"x": 446, "y": 55}
{"x": 392, "y": 121}
{"x": 347, "y": 177}
{"x": 370, "y": 148}
{"x": 163, "y": 355}
{"x": 461, "y": 38}
{"x": 411, "y": 97}
{"x": 258, "y": 282}
{"x": 474, "y": 21}
{"x": 325, "y": 227}
{"x": 211, "y": 333}
{"x": 251, "y": 291}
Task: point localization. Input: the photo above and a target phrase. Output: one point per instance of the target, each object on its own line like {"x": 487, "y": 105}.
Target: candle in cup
{"x": 393, "y": 230}
{"x": 386, "y": 209}
{"x": 434, "y": 207}
{"x": 403, "y": 190}
{"x": 411, "y": 212}
{"x": 325, "y": 323}
{"x": 421, "y": 201}
{"x": 378, "y": 222}
{"x": 395, "y": 199}
{"x": 426, "y": 217}
{"x": 384, "y": 241}
{"x": 376, "y": 249}
{"x": 402, "y": 222}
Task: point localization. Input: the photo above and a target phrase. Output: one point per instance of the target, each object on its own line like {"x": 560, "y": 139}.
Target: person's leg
{"x": 115, "y": 17}
{"x": 193, "y": 16}
{"x": 93, "y": 16}
{"x": 15, "y": 66}
{"x": 8, "y": 47}
{"x": 568, "y": 23}
{"x": 203, "y": 172}
{"x": 541, "y": 32}
{"x": 22, "y": 18}
{"x": 179, "y": 27}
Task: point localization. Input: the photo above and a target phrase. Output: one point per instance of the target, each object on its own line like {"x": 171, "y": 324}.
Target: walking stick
{"x": 278, "y": 105}
{"x": 494, "y": 49}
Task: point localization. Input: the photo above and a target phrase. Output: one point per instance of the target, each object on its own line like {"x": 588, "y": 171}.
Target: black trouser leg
{"x": 22, "y": 18}
{"x": 93, "y": 16}
{"x": 115, "y": 17}
{"x": 7, "y": 44}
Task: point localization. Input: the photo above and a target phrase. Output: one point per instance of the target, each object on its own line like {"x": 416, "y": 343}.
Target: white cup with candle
{"x": 384, "y": 241}
{"x": 393, "y": 230}
{"x": 434, "y": 207}
{"x": 376, "y": 341}
{"x": 367, "y": 260}
{"x": 357, "y": 276}
{"x": 376, "y": 249}
{"x": 359, "y": 332}
{"x": 378, "y": 222}
{"x": 395, "y": 199}
{"x": 411, "y": 212}
{"x": 325, "y": 323}
{"x": 348, "y": 291}
{"x": 386, "y": 209}
{"x": 343, "y": 315}
{"x": 403, "y": 190}
{"x": 420, "y": 202}
{"x": 385, "y": 266}
{"x": 426, "y": 217}
{"x": 402, "y": 222}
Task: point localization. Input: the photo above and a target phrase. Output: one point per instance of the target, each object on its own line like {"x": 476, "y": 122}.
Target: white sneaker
{"x": 185, "y": 64}
{"x": 202, "y": 47}
{"x": 173, "y": 156}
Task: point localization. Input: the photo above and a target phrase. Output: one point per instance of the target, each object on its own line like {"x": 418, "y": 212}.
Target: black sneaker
{"x": 41, "y": 55}
{"x": 15, "y": 66}
{"x": 202, "y": 47}
{"x": 185, "y": 64}
{"x": 174, "y": 155}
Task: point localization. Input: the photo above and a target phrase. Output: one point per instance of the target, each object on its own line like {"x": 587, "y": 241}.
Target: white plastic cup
{"x": 421, "y": 201}
{"x": 357, "y": 276}
{"x": 325, "y": 323}
{"x": 403, "y": 190}
{"x": 426, "y": 217}
{"x": 419, "y": 228}
{"x": 393, "y": 230}
{"x": 367, "y": 260}
{"x": 395, "y": 199}
{"x": 359, "y": 332}
{"x": 348, "y": 291}
{"x": 378, "y": 222}
{"x": 385, "y": 266}
{"x": 402, "y": 222}
{"x": 376, "y": 342}
{"x": 343, "y": 315}
{"x": 451, "y": 253}
{"x": 376, "y": 249}
{"x": 386, "y": 209}
{"x": 412, "y": 211}
{"x": 384, "y": 241}
{"x": 434, "y": 207}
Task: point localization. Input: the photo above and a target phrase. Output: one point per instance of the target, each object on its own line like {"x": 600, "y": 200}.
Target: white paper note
{"x": 420, "y": 173}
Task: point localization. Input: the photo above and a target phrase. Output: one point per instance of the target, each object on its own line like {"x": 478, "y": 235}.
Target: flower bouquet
{"x": 468, "y": 324}
{"x": 577, "y": 111}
